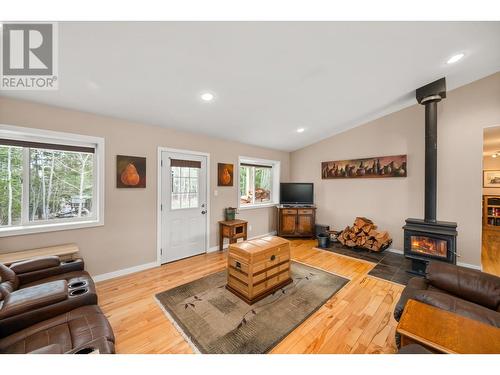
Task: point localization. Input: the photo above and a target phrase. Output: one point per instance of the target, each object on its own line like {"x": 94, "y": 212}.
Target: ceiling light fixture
{"x": 300, "y": 130}
{"x": 207, "y": 96}
{"x": 453, "y": 59}
{"x": 496, "y": 155}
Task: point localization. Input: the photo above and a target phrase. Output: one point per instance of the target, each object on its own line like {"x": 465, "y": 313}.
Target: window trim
{"x": 276, "y": 175}
{"x": 62, "y": 138}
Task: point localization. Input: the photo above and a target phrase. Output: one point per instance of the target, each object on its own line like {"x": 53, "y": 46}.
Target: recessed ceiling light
{"x": 300, "y": 130}
{"x": 207, "y": 96}
{"x": 453, "y": 59}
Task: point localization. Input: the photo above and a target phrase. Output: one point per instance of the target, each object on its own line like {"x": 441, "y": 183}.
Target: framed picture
{"x": 130, "y": 172}
{"x": 224, "y": 174}
{"x": 378, "y": 167}
{"x": 491, "y": 179}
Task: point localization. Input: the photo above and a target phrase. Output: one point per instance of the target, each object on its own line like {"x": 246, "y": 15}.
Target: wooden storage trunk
{"x": 258, "y": 267}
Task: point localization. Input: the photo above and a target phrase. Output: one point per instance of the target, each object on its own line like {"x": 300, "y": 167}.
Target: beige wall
{"x": 461, "y": 119}
{"x": 491, "y": 163}
{"x": 128, "y": 237}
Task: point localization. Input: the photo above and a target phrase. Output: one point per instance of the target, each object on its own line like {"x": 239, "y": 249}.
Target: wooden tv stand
{"x": 296, "y": 221}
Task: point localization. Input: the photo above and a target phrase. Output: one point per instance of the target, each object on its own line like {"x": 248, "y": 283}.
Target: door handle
{"x": 203, "y": 212}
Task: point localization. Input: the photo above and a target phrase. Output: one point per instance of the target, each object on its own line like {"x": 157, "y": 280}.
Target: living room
{"x": 249, "y": 187}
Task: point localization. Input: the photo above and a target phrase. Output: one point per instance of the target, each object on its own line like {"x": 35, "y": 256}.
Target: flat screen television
{"x": 297, "y": 193}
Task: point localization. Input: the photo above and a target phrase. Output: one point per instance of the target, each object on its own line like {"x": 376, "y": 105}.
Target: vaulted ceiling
{"x": 268, "y": 78}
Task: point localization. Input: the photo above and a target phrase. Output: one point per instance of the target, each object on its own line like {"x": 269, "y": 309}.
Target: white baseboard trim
{"x": 473, "y": 266}
{"x": 125, "y": 271}
{"x": 216, "y": 248}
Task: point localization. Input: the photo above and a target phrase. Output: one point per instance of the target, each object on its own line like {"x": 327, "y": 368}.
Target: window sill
{"x": 53, "y": 227}
{"x": 255, "y": 206}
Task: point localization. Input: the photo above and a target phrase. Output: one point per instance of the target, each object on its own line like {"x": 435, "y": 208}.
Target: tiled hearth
{"x": 389, "y": 266}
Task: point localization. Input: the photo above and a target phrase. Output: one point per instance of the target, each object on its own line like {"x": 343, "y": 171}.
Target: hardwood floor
{"x": 358, "y": 319}
{"x": 490, "y": 255}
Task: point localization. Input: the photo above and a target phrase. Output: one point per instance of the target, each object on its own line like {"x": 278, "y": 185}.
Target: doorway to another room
{"x": 490, "y": 256}
{"x": 183, "y": 204}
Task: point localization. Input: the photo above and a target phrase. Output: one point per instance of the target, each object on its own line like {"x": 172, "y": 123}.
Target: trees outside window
{"x": 256, "y": 184}
{"x": 11, "y": 189}
{"x": 45, "y": 185}
{"x": 61, "y": 184}
{"x": 49, "y": 181}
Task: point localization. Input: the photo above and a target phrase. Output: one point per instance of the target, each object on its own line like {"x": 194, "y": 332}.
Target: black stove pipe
{"x": 429, "y": 95}
{"x": 430, "y": 161}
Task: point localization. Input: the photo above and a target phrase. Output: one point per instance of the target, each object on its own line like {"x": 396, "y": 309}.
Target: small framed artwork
{"x": 224, "y": 174}
{"x": 491, "y": 179}
{"x": 130, "y": 172}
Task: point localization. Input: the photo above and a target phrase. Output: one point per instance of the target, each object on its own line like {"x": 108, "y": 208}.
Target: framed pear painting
{"x": 224, "y": 174}
{"x": 130, "y": 172}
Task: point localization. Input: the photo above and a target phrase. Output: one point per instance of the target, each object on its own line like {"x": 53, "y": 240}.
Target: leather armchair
{"x": 463, "y": 291}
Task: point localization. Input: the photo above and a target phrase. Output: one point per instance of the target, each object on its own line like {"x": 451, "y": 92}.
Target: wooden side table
{"x": 232, "y": 229}
{"x": 444, "y": 332}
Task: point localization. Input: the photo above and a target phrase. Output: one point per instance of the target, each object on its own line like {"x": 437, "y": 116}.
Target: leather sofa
{"x": 49, "y": 306}
{"x": 463, "y": 291}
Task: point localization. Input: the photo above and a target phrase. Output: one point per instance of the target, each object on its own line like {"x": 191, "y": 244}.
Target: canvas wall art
{"x": 224, "y": 174}
{"x": 491, "y": 179}
{"x": 378, "y": 167}
{"x": 130, "y": 172}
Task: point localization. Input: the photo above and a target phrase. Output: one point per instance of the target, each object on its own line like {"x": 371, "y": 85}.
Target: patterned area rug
{"x": 214, "y": 320}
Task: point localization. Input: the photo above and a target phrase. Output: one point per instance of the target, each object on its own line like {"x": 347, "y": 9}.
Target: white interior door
{"x": 184, "y": 205}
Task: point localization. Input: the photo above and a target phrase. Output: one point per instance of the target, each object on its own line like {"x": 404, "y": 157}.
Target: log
{"x": 361, "y": 222}
{"x": 364, "y": 234}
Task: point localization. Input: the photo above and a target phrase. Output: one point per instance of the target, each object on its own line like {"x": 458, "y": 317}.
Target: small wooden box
{"x": 258, "y": 267}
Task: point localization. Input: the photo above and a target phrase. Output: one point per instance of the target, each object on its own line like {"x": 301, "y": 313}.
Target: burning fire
{"x": 430, "y": 246}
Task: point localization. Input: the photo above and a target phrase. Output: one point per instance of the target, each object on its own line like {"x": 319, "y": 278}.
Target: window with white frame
{"x": 258, "y": 182}
{"x": 48, "y": 180}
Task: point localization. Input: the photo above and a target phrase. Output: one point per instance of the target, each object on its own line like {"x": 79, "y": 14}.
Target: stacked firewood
{"x": 364, "y": 234}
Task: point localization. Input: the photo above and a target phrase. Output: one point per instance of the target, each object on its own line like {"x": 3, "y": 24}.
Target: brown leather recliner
{"x": 74, "y": 331}
{"x": 41, "y": 270}
{"x": 463, "y": 291}
{"x": 39, "y": 289}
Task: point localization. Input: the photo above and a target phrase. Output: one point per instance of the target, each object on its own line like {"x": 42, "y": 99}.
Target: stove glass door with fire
{"x": 429, "y": 246}
{"x": 424, "y": 246}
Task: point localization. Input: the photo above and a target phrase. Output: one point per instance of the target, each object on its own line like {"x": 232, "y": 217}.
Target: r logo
{"x": 27, "y": 49}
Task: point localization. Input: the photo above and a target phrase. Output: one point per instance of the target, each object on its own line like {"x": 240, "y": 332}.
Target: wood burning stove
{"x": 428, "y": 238}
{"x": 424, "y": 241}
